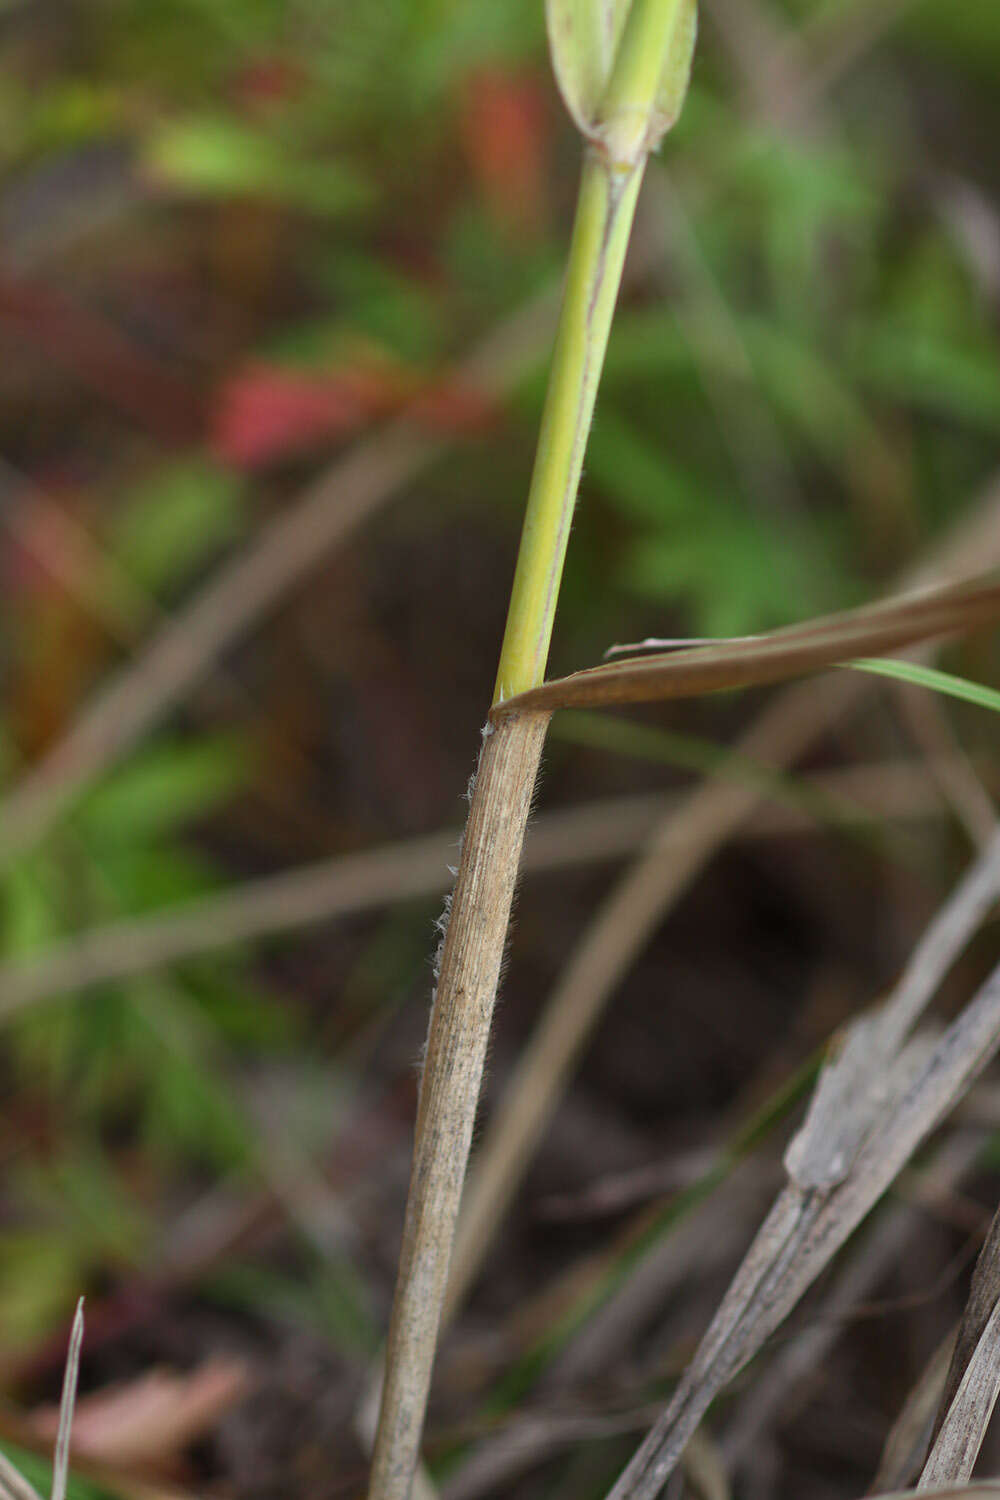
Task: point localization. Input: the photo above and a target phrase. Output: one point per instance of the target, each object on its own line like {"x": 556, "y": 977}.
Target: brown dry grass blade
{"x": 13, "y": 1485}
{"x": 906, "y": 1446}
{"x": 850, "y": 1092}
{"x": 807, "y": 1226}
{"x": 781, "y": 654}
{"x": 787, "y": 1383}
{"x": 897, "y": 1092}
{"x": 983, "y": 1489}
{"x": 973, "y": 1381}
{"x": 60, "y": 1466}
{"x": 983, "y": 1296}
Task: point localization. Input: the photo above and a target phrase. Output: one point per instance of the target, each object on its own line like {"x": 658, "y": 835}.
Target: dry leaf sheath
{"x": 956, "y": 1449}
{"x": 972, "y": 1383}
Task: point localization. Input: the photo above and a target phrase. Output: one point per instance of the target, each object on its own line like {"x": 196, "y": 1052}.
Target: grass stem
{"x": 605, "y": 210}
{"x": 474, "y": 938}
{"x": 469, "y": 968}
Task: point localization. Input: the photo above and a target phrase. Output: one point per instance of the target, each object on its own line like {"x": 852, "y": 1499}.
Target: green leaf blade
{"x": 930, "y": 677}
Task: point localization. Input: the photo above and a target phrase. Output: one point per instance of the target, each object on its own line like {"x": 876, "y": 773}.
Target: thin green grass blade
{"x": 931, "y": 677}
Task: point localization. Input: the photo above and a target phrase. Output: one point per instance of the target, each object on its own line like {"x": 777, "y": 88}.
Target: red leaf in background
{"x": 267, "y": 81}
{"x": 504, "y": 128}
{"x": 269, "y": 413}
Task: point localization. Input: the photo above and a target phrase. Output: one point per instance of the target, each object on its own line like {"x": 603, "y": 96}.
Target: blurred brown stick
{"x": 947, "y": 761}
{"x": 301, "y": 898}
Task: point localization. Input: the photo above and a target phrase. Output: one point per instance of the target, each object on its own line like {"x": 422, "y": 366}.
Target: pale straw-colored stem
{"x": 469, "y": 968}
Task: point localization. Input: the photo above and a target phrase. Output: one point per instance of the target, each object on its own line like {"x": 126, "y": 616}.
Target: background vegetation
{"x": 241, "y": 245}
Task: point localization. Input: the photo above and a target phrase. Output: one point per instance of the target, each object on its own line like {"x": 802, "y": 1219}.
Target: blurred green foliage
{"x": 801, "y": 391}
